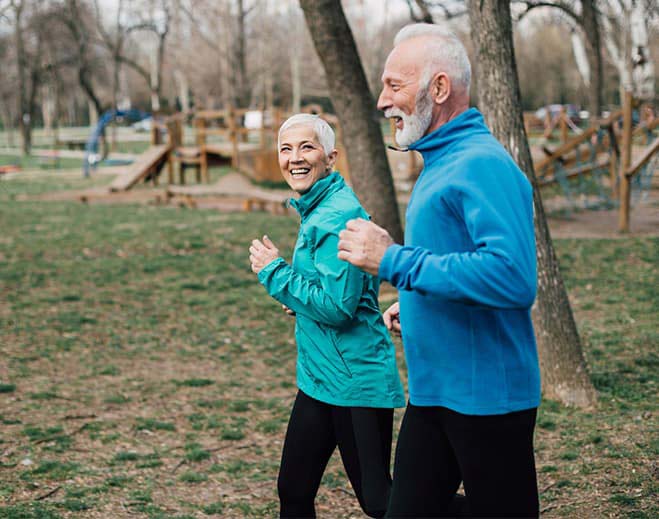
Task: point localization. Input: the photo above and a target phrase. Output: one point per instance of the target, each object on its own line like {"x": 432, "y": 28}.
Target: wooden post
{"x": 155, "y": 134}
{"x": 625, "y": 161}
{"x": 202, "y": 168}
{"x": 233, "y": 136}
{"x": 549, "y": 127}
{"x": 564, "y": 126}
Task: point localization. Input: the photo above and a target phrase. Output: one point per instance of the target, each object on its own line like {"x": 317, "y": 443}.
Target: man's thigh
{"x": 426, "y": 473}
{"x": 495, "y": 455}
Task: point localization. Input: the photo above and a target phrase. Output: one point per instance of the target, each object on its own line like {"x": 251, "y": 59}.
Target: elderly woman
{"x": 347, "y": 379}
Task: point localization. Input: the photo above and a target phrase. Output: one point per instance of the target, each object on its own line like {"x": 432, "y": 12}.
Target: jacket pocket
{"x": 322, "y": 349}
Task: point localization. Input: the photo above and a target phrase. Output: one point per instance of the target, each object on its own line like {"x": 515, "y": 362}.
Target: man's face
{"x": 302, "y": 159}
{"x": 402, "y": 98}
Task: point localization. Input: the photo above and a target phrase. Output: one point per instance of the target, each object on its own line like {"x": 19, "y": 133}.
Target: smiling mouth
{"x": 299, "y": 172}
{"x": 398, "y": 121}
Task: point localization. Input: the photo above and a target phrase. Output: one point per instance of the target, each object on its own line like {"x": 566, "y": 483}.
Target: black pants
{"x": 439, "y": 448}
{"x": 363, "y": 435}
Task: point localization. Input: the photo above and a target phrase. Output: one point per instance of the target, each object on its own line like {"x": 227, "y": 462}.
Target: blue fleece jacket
{"x": 467, "y": 275}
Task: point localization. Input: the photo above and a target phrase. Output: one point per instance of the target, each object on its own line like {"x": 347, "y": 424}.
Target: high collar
{"x": 436, "y": 144}
{"x": 322, "y": 189}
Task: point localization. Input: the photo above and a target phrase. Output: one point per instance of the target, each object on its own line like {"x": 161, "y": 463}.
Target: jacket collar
{"x": 436, "y": 144}
{"x": 322, "y": 189}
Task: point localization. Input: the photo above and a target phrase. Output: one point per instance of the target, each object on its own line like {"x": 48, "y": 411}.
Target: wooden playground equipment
{"x": 597, "y": 162}
{"x": 221, "y": 137}
{"x": 609, "y": 164}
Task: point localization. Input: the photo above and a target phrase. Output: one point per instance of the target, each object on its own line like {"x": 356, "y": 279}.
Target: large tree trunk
{"x": 591, "y": 29}
{"x": 355, "y": 108}
{"x": 562, "y": 364}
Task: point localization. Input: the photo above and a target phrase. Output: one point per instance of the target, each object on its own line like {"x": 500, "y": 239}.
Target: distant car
{"x": 143, "y": 126}
{"x": 555, "y": 109}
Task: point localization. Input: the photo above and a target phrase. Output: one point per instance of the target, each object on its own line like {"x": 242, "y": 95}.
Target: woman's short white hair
{"x": 321, "y": 128}
{"x": 444, "y": 51}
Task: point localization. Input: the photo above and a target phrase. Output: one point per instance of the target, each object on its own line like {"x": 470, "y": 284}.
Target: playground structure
{"x": 609, "y": 164}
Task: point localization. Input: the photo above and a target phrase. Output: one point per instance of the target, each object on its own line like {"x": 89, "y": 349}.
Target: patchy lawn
{"x": 145, "y": 373}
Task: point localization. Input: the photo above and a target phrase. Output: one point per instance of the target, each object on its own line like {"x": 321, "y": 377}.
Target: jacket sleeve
{"x": 332, "y": 299}
{"x": 500, "y": 271}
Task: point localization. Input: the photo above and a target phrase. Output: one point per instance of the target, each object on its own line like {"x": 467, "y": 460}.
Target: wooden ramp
{"x": 148, "y": 162}
{"x": 234, "y": 185}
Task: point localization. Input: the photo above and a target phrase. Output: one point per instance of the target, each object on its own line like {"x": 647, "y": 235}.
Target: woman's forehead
{"x": 299, "y": 133}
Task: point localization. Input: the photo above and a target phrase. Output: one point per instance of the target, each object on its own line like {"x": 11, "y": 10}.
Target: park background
{"x": 143, "y": 370}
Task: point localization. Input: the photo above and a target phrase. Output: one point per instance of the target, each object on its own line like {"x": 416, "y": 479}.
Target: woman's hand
{"x": 392, "y": 319}
{"x": 261, "y": 253}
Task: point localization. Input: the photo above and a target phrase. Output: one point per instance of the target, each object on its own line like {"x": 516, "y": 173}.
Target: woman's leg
{"x": 364, "y": 438}
{"x": 308, "y": 446}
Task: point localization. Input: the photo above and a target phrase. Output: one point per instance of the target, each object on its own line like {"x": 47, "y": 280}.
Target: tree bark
{"x": 243, "y": 94}
{"x": 562, "y": 364}
{"x": 355, "y": 108}
{"x": 24, "y": 115}
{"x": 591, "y": 28}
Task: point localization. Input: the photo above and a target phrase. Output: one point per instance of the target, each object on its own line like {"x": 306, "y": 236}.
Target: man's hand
{"x": 363, "y": 244}
{"x": 261, "y": 253}
{"x": 288, "y": 310}
{"x": 392, "y": 319}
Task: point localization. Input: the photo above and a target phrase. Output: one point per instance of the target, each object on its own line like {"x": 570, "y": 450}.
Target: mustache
{"x": 394, "y": 112}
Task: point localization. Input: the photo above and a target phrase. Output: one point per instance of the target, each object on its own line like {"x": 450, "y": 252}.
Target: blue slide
{"x": 91, "y": 148}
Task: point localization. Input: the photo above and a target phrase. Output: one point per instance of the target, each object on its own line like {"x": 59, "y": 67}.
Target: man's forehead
{"x": 403, "y": 62}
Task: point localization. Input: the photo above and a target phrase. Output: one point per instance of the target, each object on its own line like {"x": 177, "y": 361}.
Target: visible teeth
{"x": 299, "y": 171}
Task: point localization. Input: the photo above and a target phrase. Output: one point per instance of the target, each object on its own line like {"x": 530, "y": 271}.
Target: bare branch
{"x": 533, "y": 4}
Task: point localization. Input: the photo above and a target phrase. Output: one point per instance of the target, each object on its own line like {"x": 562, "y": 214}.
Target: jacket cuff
{"x": 386, "y": 269}
{"x": 266, "y": 271}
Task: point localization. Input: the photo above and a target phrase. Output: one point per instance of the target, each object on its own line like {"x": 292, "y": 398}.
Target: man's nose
{"x": 384, "y": 101}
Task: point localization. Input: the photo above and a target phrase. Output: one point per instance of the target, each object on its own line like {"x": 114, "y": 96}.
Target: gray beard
{"x": 415, "y": 125}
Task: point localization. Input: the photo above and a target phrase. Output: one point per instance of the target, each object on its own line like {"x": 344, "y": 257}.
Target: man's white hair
{"x": 321, "y": 128}
{"x": 444, "y": 52}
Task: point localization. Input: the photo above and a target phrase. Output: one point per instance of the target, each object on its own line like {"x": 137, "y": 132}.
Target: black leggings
{"x": 439, "y": 448}
{"x": 363, "y": 435}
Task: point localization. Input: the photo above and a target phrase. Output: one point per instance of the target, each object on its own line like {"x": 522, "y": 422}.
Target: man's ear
{"x": 440, "y": 88}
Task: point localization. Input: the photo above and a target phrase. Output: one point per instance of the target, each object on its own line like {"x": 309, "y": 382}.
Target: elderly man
{"x": 466, "y": 277}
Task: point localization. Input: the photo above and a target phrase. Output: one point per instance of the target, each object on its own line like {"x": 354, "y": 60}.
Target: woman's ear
{"x": 331, "y": 159}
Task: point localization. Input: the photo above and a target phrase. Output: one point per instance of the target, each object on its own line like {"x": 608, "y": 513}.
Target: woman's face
{"x": 302, "y": 159}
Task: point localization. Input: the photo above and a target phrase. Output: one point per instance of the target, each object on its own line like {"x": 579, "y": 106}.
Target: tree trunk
{"x": 243, "y": 97}
{"x": 591, "y": 29}
{"x": 355, "y": 108}
{"x": 562, "y": 364}
{"x": 24, "y": 116}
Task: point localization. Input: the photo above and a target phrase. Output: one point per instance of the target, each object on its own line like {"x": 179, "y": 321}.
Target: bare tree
{"x": 75, "y": 17}
{"x": 29, "y": 65}
{"x": 583, "y": 14}
{"x": 355, "y": 108}
{"x": 563, "y": 367}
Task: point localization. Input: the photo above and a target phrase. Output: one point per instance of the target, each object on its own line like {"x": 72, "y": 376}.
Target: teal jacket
{"x": 345, "y": 356}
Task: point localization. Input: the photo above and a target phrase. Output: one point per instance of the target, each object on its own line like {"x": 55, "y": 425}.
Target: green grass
{"x": 142, "y": 360}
